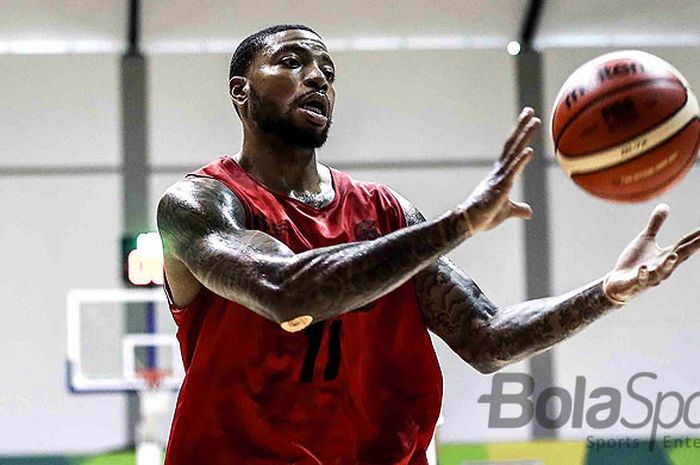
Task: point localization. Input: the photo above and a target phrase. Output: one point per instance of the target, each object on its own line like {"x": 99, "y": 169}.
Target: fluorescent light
{"x": 379, "y": 43}
{"x": 618, "y": 40}
{"x": 59, "y": 47}
{"x": 453, "y": 43}
{"x": 376, "y": 43}
{"x": 339, "y": 44}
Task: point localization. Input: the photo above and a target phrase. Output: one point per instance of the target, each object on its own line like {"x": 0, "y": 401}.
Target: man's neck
{"x": 280, "y": 166}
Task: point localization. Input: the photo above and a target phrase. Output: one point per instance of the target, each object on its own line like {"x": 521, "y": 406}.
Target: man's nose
{"x": 316, "y": 80}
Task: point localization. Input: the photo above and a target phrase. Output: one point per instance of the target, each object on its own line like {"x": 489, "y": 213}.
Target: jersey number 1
{"x": 315, "y": 334}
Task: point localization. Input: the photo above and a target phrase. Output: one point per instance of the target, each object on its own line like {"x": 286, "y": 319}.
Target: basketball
{"x": 625, "y": 126}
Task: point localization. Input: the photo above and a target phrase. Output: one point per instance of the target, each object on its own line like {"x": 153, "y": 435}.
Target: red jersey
{"x": 363, "y": 388}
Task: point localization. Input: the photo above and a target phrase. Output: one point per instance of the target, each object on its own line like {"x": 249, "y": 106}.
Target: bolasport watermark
{"x": 599, "y": 408}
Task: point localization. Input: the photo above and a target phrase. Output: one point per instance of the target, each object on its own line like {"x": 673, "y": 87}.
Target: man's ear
{"x": 239, "y": 87}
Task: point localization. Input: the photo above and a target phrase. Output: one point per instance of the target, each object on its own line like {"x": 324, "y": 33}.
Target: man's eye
{"x": 330, "y": 74}
{"x": 291, "y": 62}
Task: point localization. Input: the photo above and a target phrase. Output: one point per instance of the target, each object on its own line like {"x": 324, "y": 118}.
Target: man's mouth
{"x": 316, "y": 108}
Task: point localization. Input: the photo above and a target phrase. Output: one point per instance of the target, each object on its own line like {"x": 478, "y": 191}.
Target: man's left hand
{"x": 644, "y": 264}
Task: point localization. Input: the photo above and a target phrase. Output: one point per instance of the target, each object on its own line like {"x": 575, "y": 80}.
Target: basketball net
{"x": 153, "y": 376}
{"x": 154, "y": 404}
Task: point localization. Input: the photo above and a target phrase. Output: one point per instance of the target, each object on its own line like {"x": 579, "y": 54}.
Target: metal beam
{"x": 537, "y": 237}
{"x": 535, "y": 187}
{"x": 528, "y": 28}
{"x": 135, "y": 172}
{"x": 134, "y": 28}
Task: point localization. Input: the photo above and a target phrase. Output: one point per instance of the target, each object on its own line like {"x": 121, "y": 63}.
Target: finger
{"x": 662, "y": 271}
{"x": 657, "y": 218}
{"x": 521, "y": 210}
{"x": 643, "y": 275}
{"x": 687, "y": 238}
{"x": 524, "y": 138}
{"x": 523, "y": 119}
{"x": 686, "y": 250}
{"x": 513, "y": 170}
{"x": 669, "y": 264}
{"x": 527, "y": 135}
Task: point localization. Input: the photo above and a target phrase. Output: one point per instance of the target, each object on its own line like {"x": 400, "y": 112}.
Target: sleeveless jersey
{"x": 363, "y": 388}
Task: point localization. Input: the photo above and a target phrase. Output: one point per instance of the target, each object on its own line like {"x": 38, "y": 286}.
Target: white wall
{"x": 59, "y": 110}
{"x": 38, "y": 21}
{"x": 58, "y": 233}
{"x": 190, "y": 114}
{"x": 231, "y": 20}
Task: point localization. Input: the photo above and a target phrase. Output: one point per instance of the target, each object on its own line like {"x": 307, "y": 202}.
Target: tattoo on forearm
{"x": 521, "y": 330}
{"x": 202, "y": 223}
{"x": 336, "y": 279}
{"x": 488, "y": 337}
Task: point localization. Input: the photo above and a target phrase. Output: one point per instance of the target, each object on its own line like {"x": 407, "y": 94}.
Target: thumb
{"x": 520, "y": 210}
{"x": 657, "y": 218}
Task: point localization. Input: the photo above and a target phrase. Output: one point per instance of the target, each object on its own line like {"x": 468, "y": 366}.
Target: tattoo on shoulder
{"x": 196, "y": 206}
{"x": 411, "y": 213}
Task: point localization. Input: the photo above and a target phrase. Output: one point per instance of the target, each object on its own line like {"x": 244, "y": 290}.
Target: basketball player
{"x": 303, "y": 297}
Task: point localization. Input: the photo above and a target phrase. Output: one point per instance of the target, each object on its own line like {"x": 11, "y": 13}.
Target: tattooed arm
{"x": 489, "y": 338}
{"x": 202, "y": 226}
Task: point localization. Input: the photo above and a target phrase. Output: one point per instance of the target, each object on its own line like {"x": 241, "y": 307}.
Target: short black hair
{"x": 248, "y": 49}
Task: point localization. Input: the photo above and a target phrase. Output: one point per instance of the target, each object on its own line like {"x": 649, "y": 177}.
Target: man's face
{"x": 291, "y": 88}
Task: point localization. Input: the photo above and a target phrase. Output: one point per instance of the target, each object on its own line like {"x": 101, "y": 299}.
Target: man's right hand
{"x": 490, "y": 204}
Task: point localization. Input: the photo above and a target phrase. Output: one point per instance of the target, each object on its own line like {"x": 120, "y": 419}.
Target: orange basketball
{"x": 625, "y": 126}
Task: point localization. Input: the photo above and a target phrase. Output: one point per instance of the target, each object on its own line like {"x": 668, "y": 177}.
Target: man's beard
{"x": 282, "y": 126}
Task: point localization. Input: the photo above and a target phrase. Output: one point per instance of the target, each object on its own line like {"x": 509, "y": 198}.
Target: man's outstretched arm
{"x": 489, "y": 338}
{"x": 202, "y": 226}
